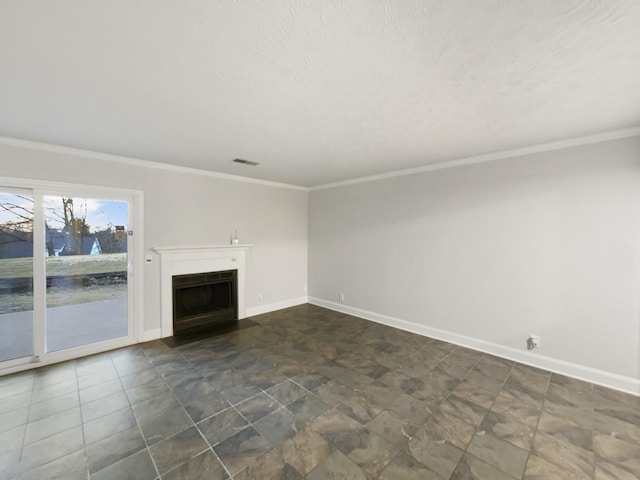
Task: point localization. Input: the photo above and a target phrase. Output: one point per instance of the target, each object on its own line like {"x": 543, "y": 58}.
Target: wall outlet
{"x": 533, "y": 342}
{"x": 260, "y": 297}
{"x": 342, "y": 297}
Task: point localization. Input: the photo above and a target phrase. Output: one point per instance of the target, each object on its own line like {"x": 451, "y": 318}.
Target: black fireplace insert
{"x": 204, "y": 300}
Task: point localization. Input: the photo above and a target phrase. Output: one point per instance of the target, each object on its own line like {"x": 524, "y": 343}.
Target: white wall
{"x": 486, "y": 254}
{"x": 182, "y": 209}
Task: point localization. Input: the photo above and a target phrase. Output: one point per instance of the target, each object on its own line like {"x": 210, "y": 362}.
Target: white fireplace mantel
{"x": 198, "y": 259}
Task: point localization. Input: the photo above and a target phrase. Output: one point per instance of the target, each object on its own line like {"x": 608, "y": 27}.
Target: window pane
{"x": 16, "y": 275}
{"x": 86, "y": 266}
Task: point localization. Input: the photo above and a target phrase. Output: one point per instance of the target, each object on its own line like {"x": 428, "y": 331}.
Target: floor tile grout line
{"x": 281, "y": 407}
{"x": 147, "y": 448}
{"x": 24, "y": 444}
{"x": 450, "y": 391}
{"x": 84, "y": 439}
{"x": 24, "y": 433}
{"x": 250, "y": 424}
{"x": 544, "y": 401}
{"x": 535, "y": 430}
{"x": 489, "y": 410}
{"x": 466, "y": 448}
{"x": 119, "y": 379}
{"x": 193, "y": 423}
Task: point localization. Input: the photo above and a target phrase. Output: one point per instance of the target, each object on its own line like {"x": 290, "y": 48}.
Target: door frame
{"x": 135, "y": 278}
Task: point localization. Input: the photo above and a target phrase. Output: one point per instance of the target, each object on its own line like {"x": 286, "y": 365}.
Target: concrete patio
{"x": 67, "y": 326}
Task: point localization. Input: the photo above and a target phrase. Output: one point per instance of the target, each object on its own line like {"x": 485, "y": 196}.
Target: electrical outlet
{"x": 533, "y": 342}
{"x": 260, "y": 297}
{"x": 342, "y": 297}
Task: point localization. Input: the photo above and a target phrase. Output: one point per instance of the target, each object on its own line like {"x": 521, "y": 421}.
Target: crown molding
{"x": 77, "y": 152}
{"x": 490, "y": 157}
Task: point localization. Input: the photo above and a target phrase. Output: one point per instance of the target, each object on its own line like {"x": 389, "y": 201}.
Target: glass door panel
{"x": 86, "y": 268}
{"x": 16, "y": 274}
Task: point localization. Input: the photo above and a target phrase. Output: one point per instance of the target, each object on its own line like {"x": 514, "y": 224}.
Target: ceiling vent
{"x": 245, "y": 162}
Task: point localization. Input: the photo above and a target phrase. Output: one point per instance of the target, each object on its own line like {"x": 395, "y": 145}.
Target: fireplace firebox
{"x": 204, "y": 300}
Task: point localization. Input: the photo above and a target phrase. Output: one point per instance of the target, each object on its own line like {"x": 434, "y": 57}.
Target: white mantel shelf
{"x": 198, "y": 259}
{"x": 197, "y": 248}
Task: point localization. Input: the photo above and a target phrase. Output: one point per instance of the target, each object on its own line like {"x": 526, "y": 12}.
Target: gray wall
{"x": 183, "y": 209}
{"x": 546, "y": 243}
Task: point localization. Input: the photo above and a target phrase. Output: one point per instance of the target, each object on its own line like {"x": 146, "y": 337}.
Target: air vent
{"x": 245, "y": 162}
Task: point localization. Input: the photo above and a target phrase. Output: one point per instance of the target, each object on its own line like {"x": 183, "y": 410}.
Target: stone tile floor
{"x": 313, "y": 394}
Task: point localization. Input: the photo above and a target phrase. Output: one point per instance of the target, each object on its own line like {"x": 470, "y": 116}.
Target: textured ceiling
{"x": 316, "y": 91}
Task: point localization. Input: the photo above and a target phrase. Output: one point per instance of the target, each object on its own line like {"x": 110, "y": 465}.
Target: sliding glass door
{"x": 16, "y": 274}
{"x": 86, "y": 271}
{"x": 65, "y": 267}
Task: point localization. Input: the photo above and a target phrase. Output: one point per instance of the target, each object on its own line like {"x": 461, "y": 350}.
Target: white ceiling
{"x": 316, "y": 91}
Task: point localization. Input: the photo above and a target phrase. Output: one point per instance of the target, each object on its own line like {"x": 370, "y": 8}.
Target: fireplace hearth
{"x": 204, "y": 301}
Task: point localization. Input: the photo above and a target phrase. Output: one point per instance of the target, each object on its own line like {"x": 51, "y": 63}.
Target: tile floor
{"x": 313, "y": 394}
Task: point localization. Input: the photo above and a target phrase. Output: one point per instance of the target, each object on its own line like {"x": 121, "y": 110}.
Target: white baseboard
{"x": 148, "y": 335}
{"x": 253, "y": 311}
{"x": 600, "y": 377}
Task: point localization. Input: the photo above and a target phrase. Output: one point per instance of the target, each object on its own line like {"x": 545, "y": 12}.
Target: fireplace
{"x": 204, "y": 300}
{"x": 195, "y": 260}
